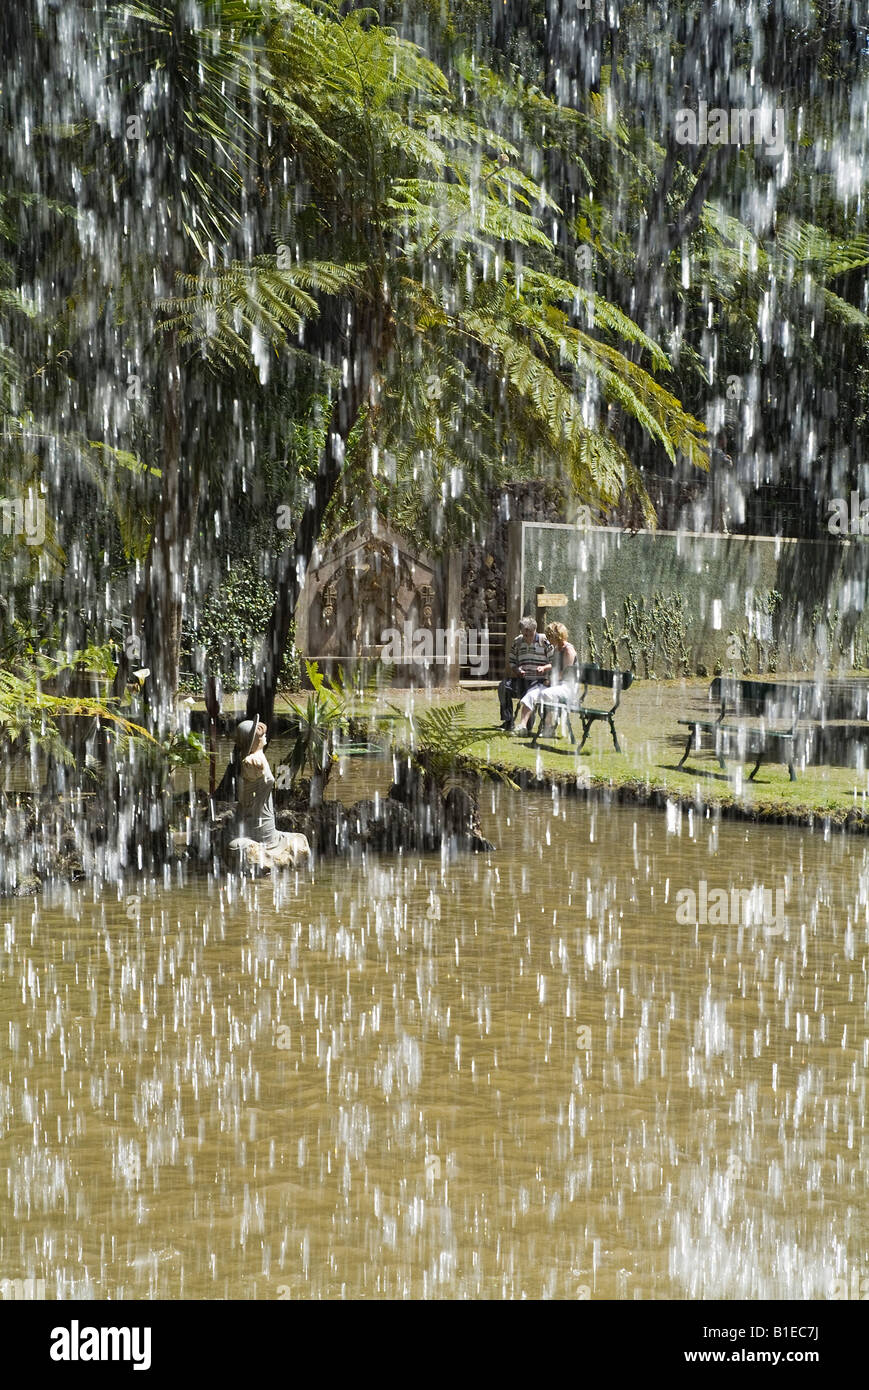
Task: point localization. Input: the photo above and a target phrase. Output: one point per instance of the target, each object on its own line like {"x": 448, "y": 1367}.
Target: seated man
{"x": 529, "y": 663}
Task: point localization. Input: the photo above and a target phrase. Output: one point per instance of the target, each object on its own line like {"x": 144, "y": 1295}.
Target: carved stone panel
{"x": 368, "y": 583}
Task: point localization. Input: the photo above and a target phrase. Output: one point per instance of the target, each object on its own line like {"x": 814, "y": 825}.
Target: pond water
{"x": 513, "y": 1075}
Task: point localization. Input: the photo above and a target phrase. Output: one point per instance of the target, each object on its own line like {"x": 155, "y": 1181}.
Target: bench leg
{"x": 613, "y": 732}
{"x": 570, "y": 734}
{"x": 551, "y": 721}
{"x": 544, "y": 710}
{"x": 789, "y": 763}
{"x": 681, "y": 761}
{"x": 586, "y": 730}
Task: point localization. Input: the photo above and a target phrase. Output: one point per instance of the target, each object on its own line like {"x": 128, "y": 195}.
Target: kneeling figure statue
{"x": 258, "y": 843}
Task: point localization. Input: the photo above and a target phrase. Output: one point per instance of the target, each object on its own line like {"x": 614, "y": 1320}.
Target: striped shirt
{"x": 530, "y": 655}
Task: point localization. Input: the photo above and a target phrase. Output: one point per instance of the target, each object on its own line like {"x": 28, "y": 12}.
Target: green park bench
{"x": 760, "y": 717}
{"x": 599, "y": 677}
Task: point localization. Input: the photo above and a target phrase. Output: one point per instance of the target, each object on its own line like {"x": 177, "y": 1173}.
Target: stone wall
{"x": 372, "y": 597}
{"x": 675, "y": 603}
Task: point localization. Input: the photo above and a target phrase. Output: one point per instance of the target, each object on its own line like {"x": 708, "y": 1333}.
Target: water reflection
{"x": 506, "y": 1076}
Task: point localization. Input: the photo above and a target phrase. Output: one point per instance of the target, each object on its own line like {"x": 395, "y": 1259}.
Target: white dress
{"x": 560, "y": 689}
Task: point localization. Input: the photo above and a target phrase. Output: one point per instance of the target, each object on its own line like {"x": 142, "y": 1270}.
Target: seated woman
{"x": 562, "y": 679}
{"x": 256, "y": 833}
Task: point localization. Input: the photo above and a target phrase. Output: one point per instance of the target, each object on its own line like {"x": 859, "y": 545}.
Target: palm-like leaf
{"x": 443, "y": 186}
{"x": 315, "y": 726}
{"x": 441, "y": 744}
{"x": 26, "y": 711}
{"x": 228, "y": 307}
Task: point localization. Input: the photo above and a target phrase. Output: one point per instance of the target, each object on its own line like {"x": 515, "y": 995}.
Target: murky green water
{"x": 376, "y": 1081}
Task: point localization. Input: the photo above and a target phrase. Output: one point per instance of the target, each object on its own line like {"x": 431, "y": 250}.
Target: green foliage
{"x": 440, "y": 748}
{"x": 311, "y": 189}
{"x": 94, "y": 659}
{"x": 211, "y": 64}
{"x": 653, "y": 632}
{"x": 224, "y": 634}
{"x": 224, "y": 308}
{"x": 316, "y": 726}
{"x": 421, "y": 203}
{"x": 291, "y": 669}
{"x": 183, "y": 750}
{"x": 331, "y": 713}
{"x": 759, "y": 652}
{"x": 801, "y": 260}
{"x": 29, "y": 716}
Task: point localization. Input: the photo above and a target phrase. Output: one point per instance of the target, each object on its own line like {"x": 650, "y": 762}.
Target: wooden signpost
{"x": 545, "y": 601}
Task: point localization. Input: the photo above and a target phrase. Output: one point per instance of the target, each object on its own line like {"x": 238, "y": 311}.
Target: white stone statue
{"x": 258, "y": 841}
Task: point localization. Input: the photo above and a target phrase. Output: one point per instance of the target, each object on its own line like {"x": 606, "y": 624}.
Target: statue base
{"x": 293, "y": 852}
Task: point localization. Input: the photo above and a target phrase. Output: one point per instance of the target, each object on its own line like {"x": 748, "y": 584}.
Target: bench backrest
{"x": 770, "y": 699}
{"x": 602, "y": 676}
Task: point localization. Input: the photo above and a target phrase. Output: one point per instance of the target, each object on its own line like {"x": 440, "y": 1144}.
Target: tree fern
{"x": 440, "y": 747}
{"x": 27, "y": 712}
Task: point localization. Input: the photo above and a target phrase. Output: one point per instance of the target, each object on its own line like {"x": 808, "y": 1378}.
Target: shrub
{"x": 228, "y": 630}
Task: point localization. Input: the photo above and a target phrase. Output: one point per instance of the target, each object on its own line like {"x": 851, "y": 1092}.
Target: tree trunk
{"x": 163, "y": 589}
{"x": 375, "y": 332}
{"x": 212, "y": 696}
{"x": 158, "y": 606}
{"x": 157, "y": 615}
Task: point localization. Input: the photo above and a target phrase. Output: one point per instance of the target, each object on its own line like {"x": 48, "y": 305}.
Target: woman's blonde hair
{"x": 556, "y": 630}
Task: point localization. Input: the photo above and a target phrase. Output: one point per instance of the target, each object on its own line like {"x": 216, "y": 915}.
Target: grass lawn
{"x": 653, "y": 742}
